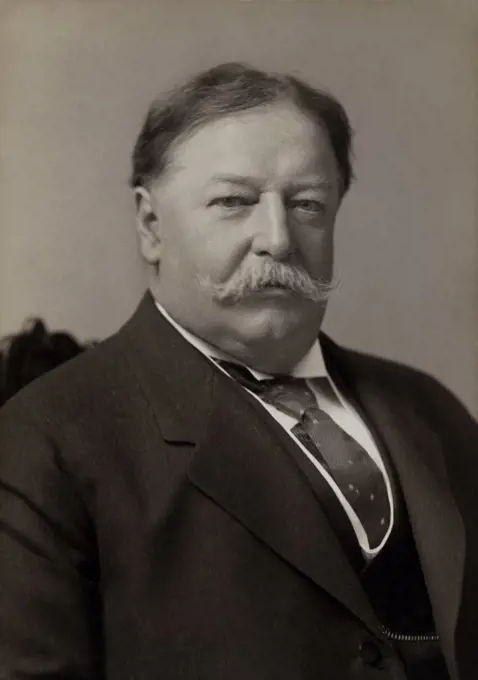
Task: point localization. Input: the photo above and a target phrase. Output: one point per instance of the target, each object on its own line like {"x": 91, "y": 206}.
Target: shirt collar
{"x": 312, "y": 364}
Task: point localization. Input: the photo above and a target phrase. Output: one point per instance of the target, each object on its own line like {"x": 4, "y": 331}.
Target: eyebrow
{"x": 314, "y": 182}
{"x": 235, "y": 179}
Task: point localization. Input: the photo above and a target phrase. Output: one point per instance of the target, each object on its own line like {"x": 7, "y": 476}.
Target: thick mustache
{"x": 270, "y": 274}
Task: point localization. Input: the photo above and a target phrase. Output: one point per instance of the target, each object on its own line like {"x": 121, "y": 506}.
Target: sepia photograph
{"x": 238, "y": 339}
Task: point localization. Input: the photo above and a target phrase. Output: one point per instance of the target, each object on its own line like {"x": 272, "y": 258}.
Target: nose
{"x": 272, "y": 235}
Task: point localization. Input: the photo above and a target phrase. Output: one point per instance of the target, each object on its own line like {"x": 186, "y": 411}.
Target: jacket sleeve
{"x": 49, "y": 597}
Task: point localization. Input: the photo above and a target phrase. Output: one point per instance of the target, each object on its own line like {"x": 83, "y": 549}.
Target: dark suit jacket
{"x": 155, "y": 524}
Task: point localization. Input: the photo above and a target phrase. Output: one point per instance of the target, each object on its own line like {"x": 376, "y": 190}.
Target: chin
{"x": 272, "y": 323}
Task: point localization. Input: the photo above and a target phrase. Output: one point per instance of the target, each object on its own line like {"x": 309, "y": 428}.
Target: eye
{"x": 232, "y": 201}
{"x": 308, "y": 206}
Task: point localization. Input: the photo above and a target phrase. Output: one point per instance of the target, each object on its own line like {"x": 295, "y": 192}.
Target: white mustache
{"x": 249, "y": 281}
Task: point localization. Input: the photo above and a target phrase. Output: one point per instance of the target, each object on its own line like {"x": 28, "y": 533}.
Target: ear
{"x": 148, "y": 225}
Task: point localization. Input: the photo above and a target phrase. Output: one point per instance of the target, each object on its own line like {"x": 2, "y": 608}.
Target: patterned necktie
{"x": 352, "y": 469}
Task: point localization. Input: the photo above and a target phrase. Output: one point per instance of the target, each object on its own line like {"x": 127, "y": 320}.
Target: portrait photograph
{"x": 238, "y": 339}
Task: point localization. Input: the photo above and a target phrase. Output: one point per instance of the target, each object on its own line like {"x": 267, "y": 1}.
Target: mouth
{"x": 274, "y": 286}
{"x": 273, "y": 289}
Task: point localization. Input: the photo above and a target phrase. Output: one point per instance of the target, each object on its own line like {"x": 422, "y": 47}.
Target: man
{"x": 219, "y": 490}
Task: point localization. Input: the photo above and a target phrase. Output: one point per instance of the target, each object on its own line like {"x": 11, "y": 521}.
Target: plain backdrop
{"x": 77, "y": 78}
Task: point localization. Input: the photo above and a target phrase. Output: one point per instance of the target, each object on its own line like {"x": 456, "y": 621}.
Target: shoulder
{"x": 407, "y": 389}
{"x": 87, "y": 389}
{"x": 87, "y": 369}
{"x": 372, "y": 366}
{"x": 400, "y": 382}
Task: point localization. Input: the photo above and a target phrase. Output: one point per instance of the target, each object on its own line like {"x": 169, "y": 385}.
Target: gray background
{"x": 76, "y": 81}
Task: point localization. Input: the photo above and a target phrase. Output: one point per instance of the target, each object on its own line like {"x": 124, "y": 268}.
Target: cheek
{"x": 221, "y": 246}
{"x": 210, "y": 247}
{"x": 220, "y": 254}
{"x": 317, "y": 250}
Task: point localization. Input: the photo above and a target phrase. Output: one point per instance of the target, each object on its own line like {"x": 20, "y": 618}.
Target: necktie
{"x": 353, "y": 470}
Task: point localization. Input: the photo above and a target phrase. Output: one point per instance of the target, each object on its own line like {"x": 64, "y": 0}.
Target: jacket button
{"x": 371, "y": 654}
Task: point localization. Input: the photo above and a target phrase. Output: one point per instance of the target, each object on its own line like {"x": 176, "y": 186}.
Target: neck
{"x": 272, "y": 356}
{"x": 264, "y": 343}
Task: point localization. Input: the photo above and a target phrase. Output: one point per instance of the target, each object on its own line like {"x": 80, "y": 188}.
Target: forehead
{"x": 275, "y": 144}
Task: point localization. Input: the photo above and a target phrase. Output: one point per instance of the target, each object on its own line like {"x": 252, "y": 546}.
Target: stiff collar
{"x": 312, "y": 364}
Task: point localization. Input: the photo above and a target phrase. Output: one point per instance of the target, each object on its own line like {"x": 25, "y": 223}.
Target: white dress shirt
{"x": 312, "y": 366}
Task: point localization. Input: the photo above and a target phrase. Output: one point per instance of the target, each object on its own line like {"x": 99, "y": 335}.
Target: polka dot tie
{"x": 356, "y": 474}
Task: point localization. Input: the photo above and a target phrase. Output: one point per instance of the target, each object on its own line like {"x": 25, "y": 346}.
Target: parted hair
{"x": 227, "y": 89}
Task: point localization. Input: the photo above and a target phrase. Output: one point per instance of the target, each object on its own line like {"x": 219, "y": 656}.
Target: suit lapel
{"x": 244, "y": 467}
{"x": 239, "y": 461}
{"x": 418, "y": 458}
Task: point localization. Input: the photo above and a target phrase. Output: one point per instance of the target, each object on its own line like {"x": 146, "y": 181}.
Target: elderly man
{"x": 219, "y": 490}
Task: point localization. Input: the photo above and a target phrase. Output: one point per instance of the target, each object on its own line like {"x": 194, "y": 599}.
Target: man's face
{"x": 249, "y": 200}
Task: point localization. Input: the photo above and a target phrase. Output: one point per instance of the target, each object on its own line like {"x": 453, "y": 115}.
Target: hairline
{"x": 196, "y": 126}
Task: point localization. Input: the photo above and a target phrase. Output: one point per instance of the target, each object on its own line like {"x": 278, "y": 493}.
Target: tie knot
{"x": 245, "y": 377}
{"x": 290, "y": 395}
